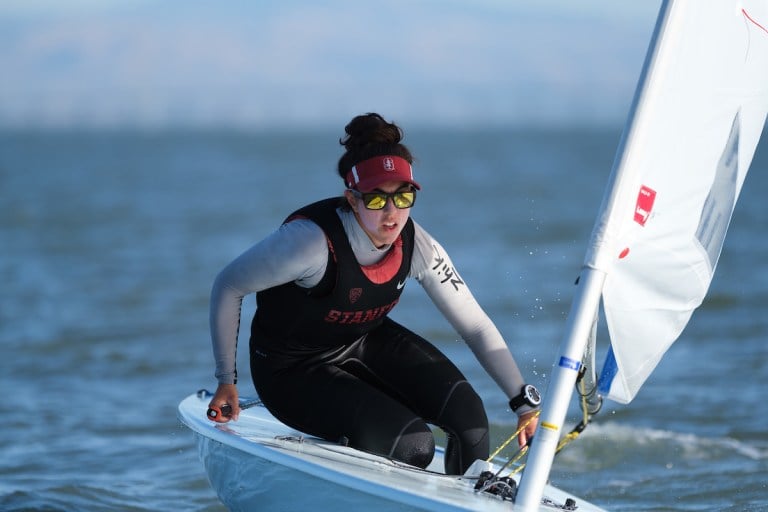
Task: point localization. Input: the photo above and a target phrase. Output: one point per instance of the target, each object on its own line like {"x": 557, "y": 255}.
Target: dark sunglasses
{"x": 378, "y": 200}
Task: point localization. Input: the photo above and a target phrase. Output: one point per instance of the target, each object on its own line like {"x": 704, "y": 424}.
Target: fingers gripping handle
{"x": 220, "y": 414}
{"x": 223, "y": 413}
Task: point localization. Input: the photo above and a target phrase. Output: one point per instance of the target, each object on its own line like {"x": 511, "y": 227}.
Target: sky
{"x": 264, "y": 63}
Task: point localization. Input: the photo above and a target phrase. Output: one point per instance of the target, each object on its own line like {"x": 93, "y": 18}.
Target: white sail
{"x": 698, "y": 115}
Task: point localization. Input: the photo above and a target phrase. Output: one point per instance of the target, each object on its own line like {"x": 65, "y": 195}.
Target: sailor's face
{"x": 382, "y": 226}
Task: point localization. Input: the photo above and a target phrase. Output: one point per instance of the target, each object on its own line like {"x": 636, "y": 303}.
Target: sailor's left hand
{"x": 527, "y": 425}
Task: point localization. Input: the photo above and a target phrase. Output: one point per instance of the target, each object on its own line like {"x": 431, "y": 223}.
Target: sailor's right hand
{"x": 527, "y": 424}
{"x": 225, "y": 404}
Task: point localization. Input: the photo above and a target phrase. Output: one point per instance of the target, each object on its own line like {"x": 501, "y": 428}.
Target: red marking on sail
{"x": 644, "y": 205}
{"x": 750, "y": 18}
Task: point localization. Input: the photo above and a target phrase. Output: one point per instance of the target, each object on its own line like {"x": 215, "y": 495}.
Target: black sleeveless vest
{"x": 344, "y": 305}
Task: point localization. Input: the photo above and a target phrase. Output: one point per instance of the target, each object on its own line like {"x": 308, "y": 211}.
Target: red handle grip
{"x": 220, "y": 414}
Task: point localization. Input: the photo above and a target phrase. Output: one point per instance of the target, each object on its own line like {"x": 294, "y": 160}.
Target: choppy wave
{"x": 626, "y": 442}
{"x": 638, "y": 468}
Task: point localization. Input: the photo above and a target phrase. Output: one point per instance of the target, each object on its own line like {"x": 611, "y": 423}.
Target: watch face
{"x": 532, "y": 394}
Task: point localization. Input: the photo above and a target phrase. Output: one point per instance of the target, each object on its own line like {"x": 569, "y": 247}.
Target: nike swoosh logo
{"x": 400, "y": 284}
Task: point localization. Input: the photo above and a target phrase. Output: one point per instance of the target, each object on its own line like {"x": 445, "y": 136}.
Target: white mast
{"x": 574, "y": 343}
{"x": 558, "y": 394}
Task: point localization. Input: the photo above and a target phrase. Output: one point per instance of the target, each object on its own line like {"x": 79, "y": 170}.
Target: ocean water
{"x": 109, "y": 243}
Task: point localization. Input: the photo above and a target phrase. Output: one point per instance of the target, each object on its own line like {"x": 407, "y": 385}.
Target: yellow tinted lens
{"x": 375, "y": 201}
{"x": 404, "y": 199}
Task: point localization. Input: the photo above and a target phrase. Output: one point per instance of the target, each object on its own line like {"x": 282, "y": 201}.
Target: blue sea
{"x": 110, "y": 241}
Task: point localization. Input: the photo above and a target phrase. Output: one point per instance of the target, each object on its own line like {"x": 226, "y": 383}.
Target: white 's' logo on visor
{"x": 389, "y": 164}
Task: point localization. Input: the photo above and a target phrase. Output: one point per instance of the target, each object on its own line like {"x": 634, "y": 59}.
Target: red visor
{"x": 369, "y": 174}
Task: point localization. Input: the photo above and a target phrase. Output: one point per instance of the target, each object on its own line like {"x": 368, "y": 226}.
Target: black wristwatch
{"x": 529, "y": 395}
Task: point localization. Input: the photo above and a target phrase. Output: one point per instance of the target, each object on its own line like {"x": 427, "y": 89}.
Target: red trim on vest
{"x": 387, "y": 268}
{"x": 380, "y": 272}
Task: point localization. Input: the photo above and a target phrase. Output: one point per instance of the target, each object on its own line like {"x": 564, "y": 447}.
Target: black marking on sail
{"x": 717, "y": 209}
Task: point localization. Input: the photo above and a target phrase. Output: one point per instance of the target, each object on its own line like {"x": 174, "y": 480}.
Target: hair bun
{"x": 370, "y": 135}
{"x": 368, "y": 129}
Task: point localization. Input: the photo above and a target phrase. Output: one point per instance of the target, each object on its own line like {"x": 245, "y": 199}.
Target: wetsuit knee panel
{"x": 415, "y": 445}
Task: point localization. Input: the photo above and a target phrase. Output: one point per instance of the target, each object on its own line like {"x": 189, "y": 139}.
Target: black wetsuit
{"x": 329, "y": 362}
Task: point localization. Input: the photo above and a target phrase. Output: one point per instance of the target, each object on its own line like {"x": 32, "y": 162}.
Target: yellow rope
{"x": 563, "y": 442}
{"x": 585, "y": 419}
{"x": 518, "y": 457}
{"x": 513, "y": 436}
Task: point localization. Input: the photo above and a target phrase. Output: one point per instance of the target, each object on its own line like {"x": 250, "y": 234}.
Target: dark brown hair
{"x": 370, "y": 135}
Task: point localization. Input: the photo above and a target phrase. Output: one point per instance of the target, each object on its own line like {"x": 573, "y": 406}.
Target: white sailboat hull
{"x": 259, "y": 463}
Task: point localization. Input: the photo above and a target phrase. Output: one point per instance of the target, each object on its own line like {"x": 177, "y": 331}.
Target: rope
{"x": 586, "y": 413}
{"x": 513, "y": 436}
{"x": 519, "y": 454}
{"x": 567, "y": 439}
